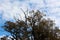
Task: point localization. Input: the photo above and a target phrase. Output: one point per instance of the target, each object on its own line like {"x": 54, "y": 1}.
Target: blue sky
{"x": 11, "y": 8}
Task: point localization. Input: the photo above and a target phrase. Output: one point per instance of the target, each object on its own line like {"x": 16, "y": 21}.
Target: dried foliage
{"x": 35, "y": 27}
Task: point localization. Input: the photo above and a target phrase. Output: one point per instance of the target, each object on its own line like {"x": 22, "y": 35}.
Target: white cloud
{"x": 11, "y": 8}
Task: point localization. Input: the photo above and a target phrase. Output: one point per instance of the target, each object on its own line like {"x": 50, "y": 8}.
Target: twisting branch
{"x": 25, "y": 16}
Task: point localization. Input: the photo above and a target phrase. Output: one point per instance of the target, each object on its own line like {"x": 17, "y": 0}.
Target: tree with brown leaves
{"x": 35, "y": 27}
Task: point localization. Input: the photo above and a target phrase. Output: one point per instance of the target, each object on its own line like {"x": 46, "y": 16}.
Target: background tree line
{"x": 34, "y": 27}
